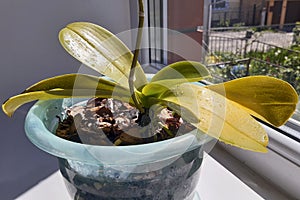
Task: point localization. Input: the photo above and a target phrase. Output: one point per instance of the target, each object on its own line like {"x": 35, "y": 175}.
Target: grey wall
{"x": 29, "y": 52}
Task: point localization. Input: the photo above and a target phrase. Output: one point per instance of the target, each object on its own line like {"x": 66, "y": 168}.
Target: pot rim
{"x": 43, "y": 138}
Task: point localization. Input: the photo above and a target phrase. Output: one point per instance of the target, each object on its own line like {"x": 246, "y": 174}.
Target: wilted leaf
{"x": 267, "y": 98}
{"x": 102, "y": 51}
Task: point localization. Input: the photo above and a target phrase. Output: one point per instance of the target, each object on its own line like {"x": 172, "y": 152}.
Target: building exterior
{"x": 254, "y": 12}
{"x": 282, "y": 11}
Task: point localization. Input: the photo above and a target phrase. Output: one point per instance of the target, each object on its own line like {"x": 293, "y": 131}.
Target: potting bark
{"x": 105, "y": 121}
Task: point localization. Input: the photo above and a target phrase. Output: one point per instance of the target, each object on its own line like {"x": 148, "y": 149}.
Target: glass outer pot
{"x": 161, "y": 170}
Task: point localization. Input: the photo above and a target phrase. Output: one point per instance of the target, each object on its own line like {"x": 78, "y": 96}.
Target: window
{"x": 219, "y": 4}
{"x": 271, "y": 174}
{"x": 168, "y": 23}
{"x": 155, "y": 31}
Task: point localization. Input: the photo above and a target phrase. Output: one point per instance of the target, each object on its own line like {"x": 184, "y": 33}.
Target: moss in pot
{"x": 165, "y": 169}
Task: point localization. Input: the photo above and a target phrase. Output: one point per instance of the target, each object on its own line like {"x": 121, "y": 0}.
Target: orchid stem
{"x": 135, "y": 57}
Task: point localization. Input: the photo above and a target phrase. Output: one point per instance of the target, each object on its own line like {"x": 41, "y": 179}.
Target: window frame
{"x": 215, "y": 4}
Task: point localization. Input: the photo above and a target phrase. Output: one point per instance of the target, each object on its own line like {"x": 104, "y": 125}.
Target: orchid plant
{"x": 230, "y": 105}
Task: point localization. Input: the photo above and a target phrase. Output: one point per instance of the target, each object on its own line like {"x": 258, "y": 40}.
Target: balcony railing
{"x": 232, "y": 58}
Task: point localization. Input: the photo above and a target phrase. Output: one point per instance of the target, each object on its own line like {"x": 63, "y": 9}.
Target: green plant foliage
{"x": 296, "y": 34}
{"x": 174, "y": 74}
{"x": 279, "y": 63}
{"x": 218, "y": 116}
{"x": 262, "y": 102}
{"x": 99, "y": 49}
{"x": 63, "y": 87}
{"x": 208, "y": 108}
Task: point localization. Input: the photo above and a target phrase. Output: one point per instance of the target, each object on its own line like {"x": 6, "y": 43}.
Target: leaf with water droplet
{"x": 99, "y": 49}
{"x": 228, "y": 123}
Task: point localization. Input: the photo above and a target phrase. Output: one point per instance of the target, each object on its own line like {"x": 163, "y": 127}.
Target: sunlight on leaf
{"x": 267, "y": 98}
{"x": 219, "y": 117}
{"x": 102, "y": 51}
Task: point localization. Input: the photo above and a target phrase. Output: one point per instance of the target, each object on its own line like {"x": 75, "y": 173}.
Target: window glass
{"x": 155, "y": 35}
{"x": 219, "y": 4}
{"x": 171, "y": 20}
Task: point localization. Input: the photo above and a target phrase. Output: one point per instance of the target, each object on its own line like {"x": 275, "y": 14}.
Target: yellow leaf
{"x": 219, "y": 117}
{"x": 99, "y": 49}
{"x": 266, "y": 98}
{"x": 70, "y": 81}
{"x": 63, "y": 87}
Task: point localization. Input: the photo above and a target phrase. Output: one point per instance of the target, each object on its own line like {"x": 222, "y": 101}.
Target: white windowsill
{"x": 274, "y": 175}
{"x": 216, "y": 182}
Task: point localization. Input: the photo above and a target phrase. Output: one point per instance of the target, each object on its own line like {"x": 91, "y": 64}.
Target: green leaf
{"x": 174, "y": 74}
{"x": 183, "y": 71}
{"x": 66, "y": 86}
{"x": 99, "y": 49}
{"x": 218, "y": 116}
{"x": 267, "y": 98}
{"x": 155, "y": 89}
{"x": 70, "y": 81}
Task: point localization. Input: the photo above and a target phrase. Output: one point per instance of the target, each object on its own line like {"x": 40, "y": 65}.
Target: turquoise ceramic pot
{"x": 162, "y": 170}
